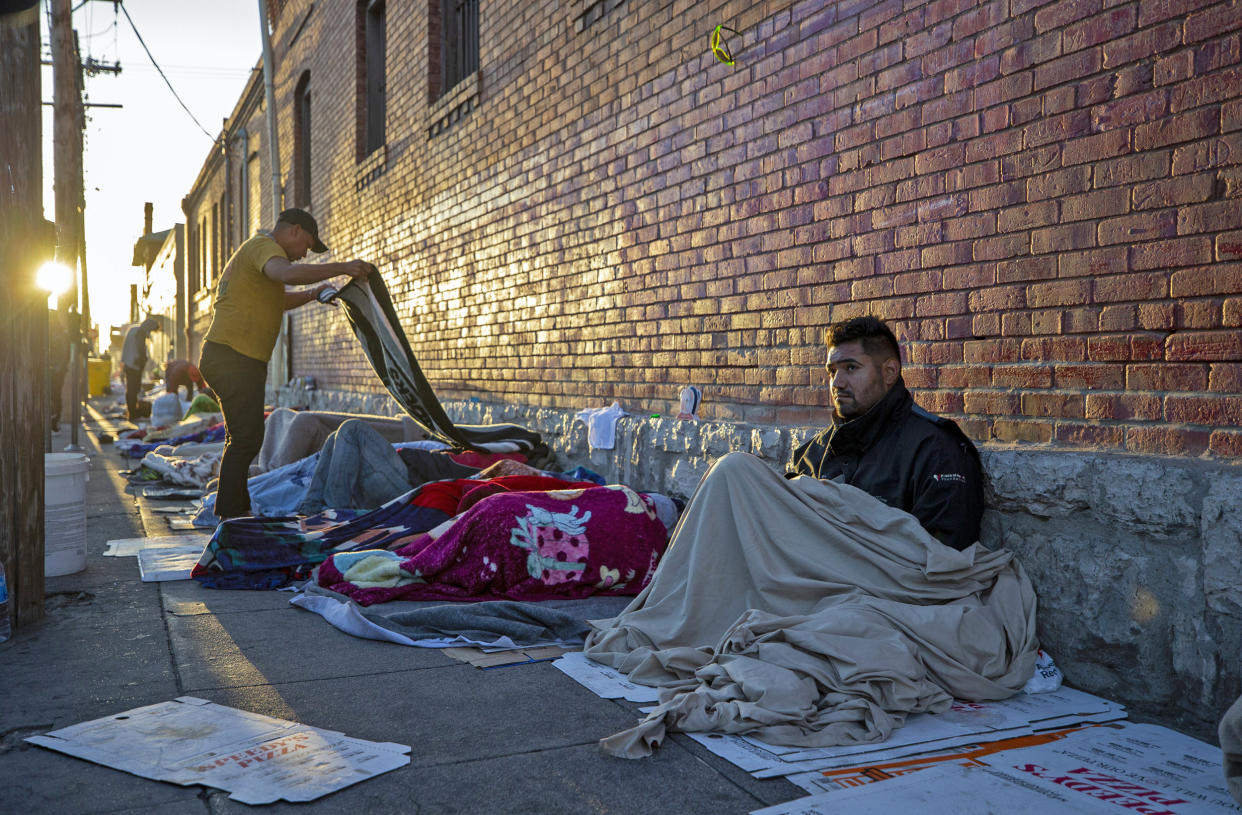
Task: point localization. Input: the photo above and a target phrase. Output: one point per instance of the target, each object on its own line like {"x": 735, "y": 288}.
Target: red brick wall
{"x": 1044, "y": 198}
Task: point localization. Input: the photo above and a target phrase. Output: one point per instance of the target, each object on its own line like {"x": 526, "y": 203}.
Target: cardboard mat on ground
{"x": 966, "y": 724}
{"x": 1120, "y": 767}
{"x": 257, "y": 759}
{"x": 171, "y": 557}
{"x": 603, "y": 681}
{"x": 483, "y": 658}
{"x": 1055, "y": 752}
{"x": 130, "y": 547}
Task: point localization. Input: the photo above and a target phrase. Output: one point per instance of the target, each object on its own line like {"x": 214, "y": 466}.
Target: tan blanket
{"x": 809, "y": 613}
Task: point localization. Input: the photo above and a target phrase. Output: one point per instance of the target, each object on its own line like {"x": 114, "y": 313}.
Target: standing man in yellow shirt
{"x": 250, "y": 301}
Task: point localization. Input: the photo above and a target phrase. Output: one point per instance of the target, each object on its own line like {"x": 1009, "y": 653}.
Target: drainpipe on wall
{"x": 278, "y": 370}
{"x": 269, "y": 96}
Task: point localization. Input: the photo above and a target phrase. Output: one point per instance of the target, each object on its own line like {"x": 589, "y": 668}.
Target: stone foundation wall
{"x": 1137, "y": 559}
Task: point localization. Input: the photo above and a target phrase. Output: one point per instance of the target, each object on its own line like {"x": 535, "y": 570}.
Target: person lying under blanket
{"x": 512, "y": 538}
{"x": 461, "y": 539}
{"x": 359, "y": 469}
{"x": 355, "y": 468}
{"x": 822, "y": 609}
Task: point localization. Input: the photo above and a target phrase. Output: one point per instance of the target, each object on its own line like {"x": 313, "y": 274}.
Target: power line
{"x": 161, "y": 72}
{"x": 199, "y": 70}
{"x": 100, "y": 33}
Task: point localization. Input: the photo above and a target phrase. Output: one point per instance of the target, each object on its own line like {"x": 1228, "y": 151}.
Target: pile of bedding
{"x": 263, "y": 553}
{"x": 517, "y": 545}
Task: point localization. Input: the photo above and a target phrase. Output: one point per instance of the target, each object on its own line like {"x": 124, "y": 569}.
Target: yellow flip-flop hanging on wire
{"x": 719, "y": 48}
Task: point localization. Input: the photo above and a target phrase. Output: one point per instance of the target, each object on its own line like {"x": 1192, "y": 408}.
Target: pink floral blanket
{"x": 517, "y": 546}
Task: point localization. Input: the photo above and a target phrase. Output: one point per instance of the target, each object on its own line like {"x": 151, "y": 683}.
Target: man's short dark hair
{"x": 877, "y": 338}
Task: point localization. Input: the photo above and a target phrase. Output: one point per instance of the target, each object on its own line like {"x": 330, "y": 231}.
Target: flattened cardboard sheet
{"x": 1123, "y": 767}
{"x": 130, "y": 547}
{"x": 480, "y": 658}
{"x": 257, "y": 759}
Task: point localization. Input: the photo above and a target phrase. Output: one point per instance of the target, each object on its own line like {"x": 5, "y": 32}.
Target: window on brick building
{"x": 215, "y": 243}
{"x": 302, "y": 142}
{"x": 254, "y": 199}
{"x": 373, "y": 82}
{"x": 226, "y": 233}
{"x": 191, "y": 259}
{"x": 204, "y": 278}
{"x": 459, "y": 41}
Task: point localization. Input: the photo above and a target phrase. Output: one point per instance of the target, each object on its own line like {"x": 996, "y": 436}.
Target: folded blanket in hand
{"x": 369, "y": 309}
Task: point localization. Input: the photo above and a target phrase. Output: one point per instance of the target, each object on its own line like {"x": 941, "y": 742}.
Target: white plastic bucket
{"x": 64, "y": 513}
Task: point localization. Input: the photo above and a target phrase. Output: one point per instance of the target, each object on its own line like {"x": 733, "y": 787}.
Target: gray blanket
{"x": 525, "y": 624}
{"x": 808, "y": 613}
{"x": 359, "y": 469}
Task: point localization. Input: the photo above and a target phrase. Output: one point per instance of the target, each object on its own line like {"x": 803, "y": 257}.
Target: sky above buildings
{"x": 150, "y": 149}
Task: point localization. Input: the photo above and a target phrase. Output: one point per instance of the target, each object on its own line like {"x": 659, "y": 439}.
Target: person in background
{"x": 250, "y": 302}
{"x": 181, "y": 373}
{"x": 134, "y": 361}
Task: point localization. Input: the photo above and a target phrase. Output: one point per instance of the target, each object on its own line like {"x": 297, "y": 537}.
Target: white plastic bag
{"x": 1047, "y": 676}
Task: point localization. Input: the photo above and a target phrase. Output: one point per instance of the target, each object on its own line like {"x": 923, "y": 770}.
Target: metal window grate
{"x": 376, "y": 78}
{"x": 302, "y": 142}
{"x": 459, "y": 46}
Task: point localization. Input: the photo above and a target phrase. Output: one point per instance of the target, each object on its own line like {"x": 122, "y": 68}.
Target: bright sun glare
{"x": 54, "y": 278}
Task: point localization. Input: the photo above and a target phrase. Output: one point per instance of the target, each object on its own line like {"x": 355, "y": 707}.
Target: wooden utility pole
{"x": 68, "y": 122}
{"x": 25, "y": 242}
{"x": 79, "y": 103}
{"x": 66, "y": 138}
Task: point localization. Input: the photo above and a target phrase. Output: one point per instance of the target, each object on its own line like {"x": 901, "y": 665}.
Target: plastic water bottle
{"x": 5, "y": 630}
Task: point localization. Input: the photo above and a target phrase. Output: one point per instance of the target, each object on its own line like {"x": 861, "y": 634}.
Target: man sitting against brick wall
{"x": 820, "y": 608}
{"x": 884, "y": 444}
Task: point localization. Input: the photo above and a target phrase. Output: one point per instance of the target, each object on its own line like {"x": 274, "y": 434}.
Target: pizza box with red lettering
{"x": 257, "y": 759}
{"x": 1123, "y": 767}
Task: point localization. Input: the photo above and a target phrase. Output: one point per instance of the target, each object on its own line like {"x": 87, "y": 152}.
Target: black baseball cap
{"x": 302, "y": 218}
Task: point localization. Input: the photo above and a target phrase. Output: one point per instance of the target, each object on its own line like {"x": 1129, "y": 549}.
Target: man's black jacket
{"x": 909, "y": 459}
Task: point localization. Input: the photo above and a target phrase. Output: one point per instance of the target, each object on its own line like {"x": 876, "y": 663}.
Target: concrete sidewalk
{"x": 520, "y": 739}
